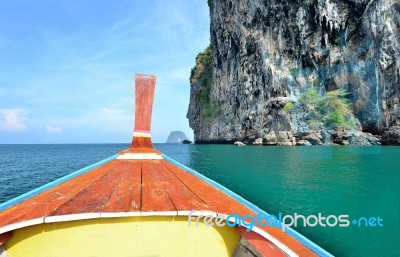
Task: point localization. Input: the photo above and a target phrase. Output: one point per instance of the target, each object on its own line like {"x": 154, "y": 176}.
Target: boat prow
{"x": 140, "y": 202}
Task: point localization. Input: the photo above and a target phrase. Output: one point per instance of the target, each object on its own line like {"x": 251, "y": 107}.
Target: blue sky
{"x": 67, "y": 67}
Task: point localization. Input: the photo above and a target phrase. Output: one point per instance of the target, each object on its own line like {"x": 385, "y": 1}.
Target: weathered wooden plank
{"x": 213, "y": 197}
{"x": 46, "y": 202}
{"x": 127, "y": 195}
{"x": 183, "y": 198}
{"x": 144, "y": 93}
{"x": 95, "y": 196}
{"x": 154, "y": 196}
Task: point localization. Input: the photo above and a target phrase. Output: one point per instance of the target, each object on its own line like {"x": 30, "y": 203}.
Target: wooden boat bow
{"x": 141, "y": 182}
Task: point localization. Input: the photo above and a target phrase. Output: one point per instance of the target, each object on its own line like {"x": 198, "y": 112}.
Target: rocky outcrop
{"x": 176, "y": 137}
{"x": 265, "y": 54}
{"x": 339, "y": 136}
{"x": 362, "y": 138}
{"x": 311, "y": 136}
{"x": 238, "y": 143}
{"x": 343, "y": 136}
{"x": 391, "y": 136}
{"x": 285, "y": 138}
{"x": 270, "y": 138}
{"x": 303, "y": 142}
{"x": 258, "y": 141}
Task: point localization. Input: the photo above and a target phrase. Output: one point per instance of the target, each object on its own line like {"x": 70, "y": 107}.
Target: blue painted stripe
{"x": 57, "y": 182}
{"x": 302, "y": 239}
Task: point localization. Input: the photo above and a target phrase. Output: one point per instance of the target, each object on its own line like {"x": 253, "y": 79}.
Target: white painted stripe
{"x": 21, "y": 224}
{"x": 140, "y": 156}
{"x": 141, "y": 134}
{"x": 71, "y": 217}
{"x": 81, "y": 216}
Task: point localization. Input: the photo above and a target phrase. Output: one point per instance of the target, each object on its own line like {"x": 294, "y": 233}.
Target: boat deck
{"x": 135, "y": 188}
{"x": 140, "y": 181}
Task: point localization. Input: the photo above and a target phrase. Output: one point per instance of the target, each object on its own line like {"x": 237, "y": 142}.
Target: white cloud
{"x": 53, "y": 129}
{"x": 12, "y": 120}
{"x": 114, "y": 117}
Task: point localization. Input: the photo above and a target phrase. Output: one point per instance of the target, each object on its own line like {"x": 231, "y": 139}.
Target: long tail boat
{"x": 139, "y": 203}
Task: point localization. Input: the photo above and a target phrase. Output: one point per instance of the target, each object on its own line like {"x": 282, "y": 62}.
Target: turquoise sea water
{"x": 355, "y": 181}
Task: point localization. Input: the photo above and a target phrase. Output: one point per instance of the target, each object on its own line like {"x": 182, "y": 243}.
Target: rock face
{"x": 265, "y": 54}
{"x": 270, "y": 138}
{"x": 313, "y": 137}
{"x": 391, "y": 136}
{"x": 176, "y": 137}
{"x": 344, "y": 136}
{"x": 258, "y": 141}
{"x": 286, "y": 138}
{"x": 303, "y": 142}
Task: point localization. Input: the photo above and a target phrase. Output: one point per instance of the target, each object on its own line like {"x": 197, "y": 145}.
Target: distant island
{"x": 177, "y": 137}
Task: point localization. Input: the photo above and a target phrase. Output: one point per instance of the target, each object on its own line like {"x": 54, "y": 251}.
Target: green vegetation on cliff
{"x": 330, "y": 111}
{"x": 201, "y": 74}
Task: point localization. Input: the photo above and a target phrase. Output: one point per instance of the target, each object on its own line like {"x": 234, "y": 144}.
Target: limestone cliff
{"x": 264, "y": 54}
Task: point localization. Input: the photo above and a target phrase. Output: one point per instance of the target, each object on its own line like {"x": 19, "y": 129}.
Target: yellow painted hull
{"x": 123, "y": 237}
